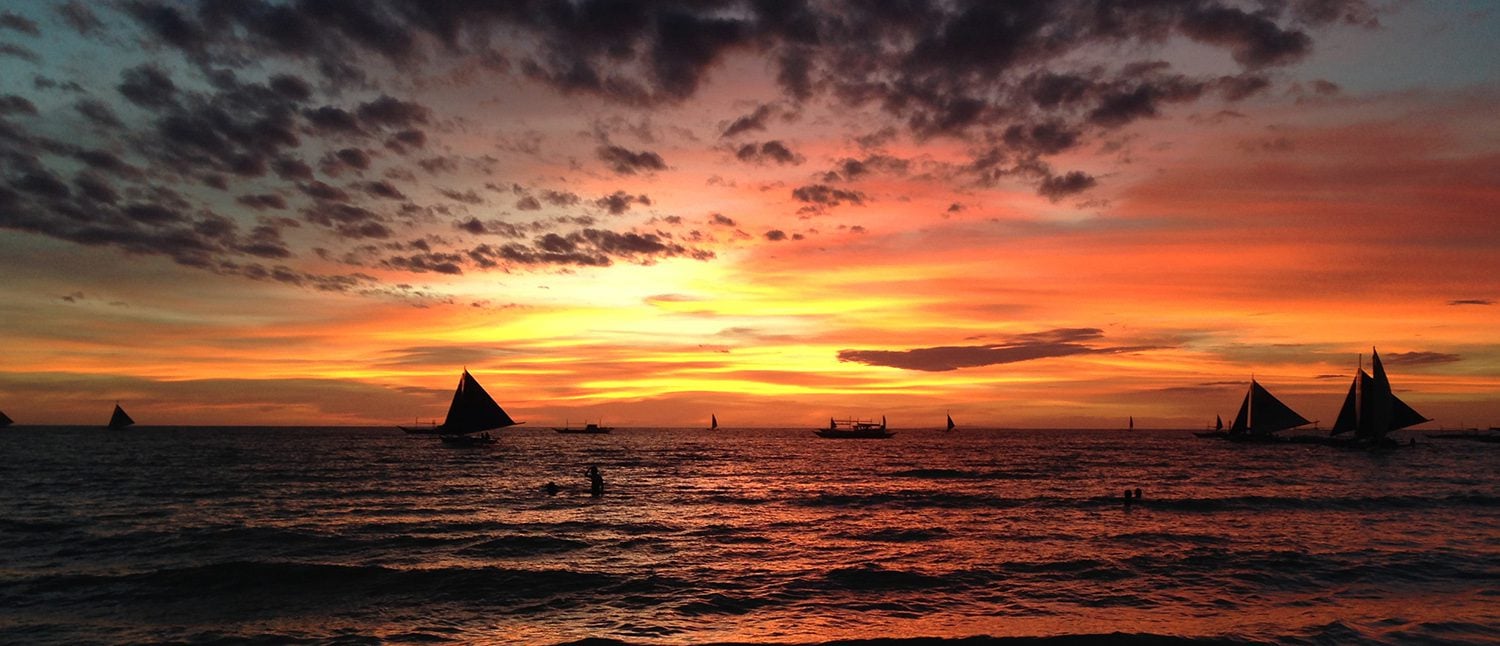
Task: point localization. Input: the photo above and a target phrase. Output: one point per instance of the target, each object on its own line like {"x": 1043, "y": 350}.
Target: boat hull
{"x": 841, "y": 434}
{"x": 467, "y": 440}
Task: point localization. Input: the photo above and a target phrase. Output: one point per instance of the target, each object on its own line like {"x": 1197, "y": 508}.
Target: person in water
{"x": 596, "y": 481}
{"x": 552, "y": 488}
{"x": 1129, "y": 497}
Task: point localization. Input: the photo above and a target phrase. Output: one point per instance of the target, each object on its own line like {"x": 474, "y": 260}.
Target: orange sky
{"x": 1279, "y": 234}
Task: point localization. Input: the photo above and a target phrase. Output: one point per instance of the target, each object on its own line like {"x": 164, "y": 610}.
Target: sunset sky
{"x": 1029, "y": 214}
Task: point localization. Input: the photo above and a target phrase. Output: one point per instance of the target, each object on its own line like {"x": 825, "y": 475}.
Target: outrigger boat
{"x": 854, "y": 429}
{"x": 588, "y": 429}
{"x": 1371, "y": 411}
{"x": 119, "y": 419}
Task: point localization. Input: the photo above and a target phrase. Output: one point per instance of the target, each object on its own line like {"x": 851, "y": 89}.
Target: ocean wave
{"x": 284, "y": 581}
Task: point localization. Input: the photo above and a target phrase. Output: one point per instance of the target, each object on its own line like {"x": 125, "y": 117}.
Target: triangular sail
{"x": 473, "y": 410}
{"x": 1262, "y": 412}
{"x": 950, "y": 423}
{"x": 713, "y": 422}
{"x": 5, "y": 420}
{"x": 1241, "y": 421}
{"x": 119, "y": 419}
{"x": 1218, "y": 423}
{"x": 1349, "y": 413}
{"x": 1403, "y": 416}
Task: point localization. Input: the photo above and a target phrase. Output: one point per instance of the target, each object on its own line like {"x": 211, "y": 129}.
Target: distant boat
{"x": 1218, "y": 429}
{"x": 472, "y": 411}
{"x": 855, "y": 429}
{"x": 713, "y": 422}
{"x": 1370, "y": 409}
{"x": 5, "y": 420}
{"x": 1261, "y": 416}
{"x": 119, "y": 419}
{"x": 588, "y": 429}
{"x": 950, "y": 422}
{"x": 1130, "y": 425}
{"x": 1473, "y": 435}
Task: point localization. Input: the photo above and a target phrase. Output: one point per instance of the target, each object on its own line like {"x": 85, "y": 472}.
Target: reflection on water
{"x": 766, "y": 535}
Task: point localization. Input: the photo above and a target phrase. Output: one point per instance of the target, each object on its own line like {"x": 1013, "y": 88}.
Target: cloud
{"x": 12, "y": 21}
{"x": 770, "y": 151}
{"x": 1056, "y": 187}
{"x": 628, "y": 162}
{"x": 1420, "y": 358}
{"x": 1060, "y": 342}
{"x": 823, "y": 195}
{"x": 1471, "y": 301}
{"x": 619, "y": 202}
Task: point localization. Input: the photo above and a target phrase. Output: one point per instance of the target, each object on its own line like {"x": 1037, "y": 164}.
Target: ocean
{"x": 756, "y": 536}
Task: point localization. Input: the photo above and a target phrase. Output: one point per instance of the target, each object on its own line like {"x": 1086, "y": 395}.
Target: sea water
{"x": 351, "y": 535}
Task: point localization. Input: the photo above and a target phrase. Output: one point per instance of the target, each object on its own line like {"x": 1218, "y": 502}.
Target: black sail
{"x": 119, "y": 419}
{"x": 1262, "y": 412}
{"x": 5, "y": 420}
{"x": 473, "y": 410}
{"x": 1349, "y": 413}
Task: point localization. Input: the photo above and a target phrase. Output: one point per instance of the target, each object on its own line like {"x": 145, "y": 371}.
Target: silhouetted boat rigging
{"x": 713, "y": 422}
{"x": 588, "y": 429}
{"x": 854, "y": 429}
{"x": 472, "y": 411}
{"x": 1261, "y": 416}
{"x": 119, "y": 419}
{"x": 1130, "y": 425}
{"x": 1218, "y": 429}
{"x": 5, "y": 420}
{"x": 950, "y": 422}
{"x": 1371, "y": 410}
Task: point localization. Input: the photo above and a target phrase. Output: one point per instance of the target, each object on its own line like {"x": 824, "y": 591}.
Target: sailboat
{"x": 713, "y": 422}
{"x": 1261, "y": 416}
{"x": 5, "y": 420}
{"x": 1371, "y": 410}
{"x": 1130, "y": 425}
{"x": 119, "y": 419}
{"x": 950, "y": 422}
{"x": 472, "y": 411}
{"x": 1218, "y": 429}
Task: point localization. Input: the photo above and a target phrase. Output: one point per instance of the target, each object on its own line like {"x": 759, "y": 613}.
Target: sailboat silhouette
{"x": 119, "y": 419}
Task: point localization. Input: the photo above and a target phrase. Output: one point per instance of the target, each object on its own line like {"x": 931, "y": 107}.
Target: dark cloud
{"x": 1253, "y": 39}
{"x": 262, "y": 201}
{"x": 17, "y": 51}
{"x": 628, "y": 162}
{"x": 389, "y": 112}
{"x": 758, "y": 118}
{"x": 98, "y": 112}
{"x": 465, "y": 196}
{"x": 721, "y": 220}
{"x": 147, "y": 86}
{"x": 1420, "y": 358}
{"x": 78, "y": 16}
{"x": 775, "y": 235}
{"x": 383, "y": 189}
{"x": 1057, "y": 187}
{"x": 1471, "y": 301}
{"x": 850, "y": 169}
{"x": 528, "y": 203}
{"x": 770, "y": 151}
{"x": 437, "y": 262}
{"x": 823, "y": 195}
{"x": 19, "y": 23}
{"x": 619, "y": 202}
{"x": 1025, "y": 347}
{"x": 12, "y": 104}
